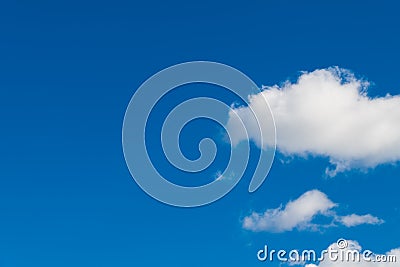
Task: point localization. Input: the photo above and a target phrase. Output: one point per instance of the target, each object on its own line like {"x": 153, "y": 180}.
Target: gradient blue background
{"x": 67, "y": 72}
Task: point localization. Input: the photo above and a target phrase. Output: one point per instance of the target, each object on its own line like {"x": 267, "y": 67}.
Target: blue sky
{"x": 68, "y": 70}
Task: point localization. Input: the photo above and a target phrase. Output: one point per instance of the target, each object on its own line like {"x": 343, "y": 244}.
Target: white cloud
{"x": 299, "y": 214}
{"x": 296, "y": 213}
{"x": 326, "y": 113}
{"x": 354, "y": 246}
{"x": 354, "y": 220}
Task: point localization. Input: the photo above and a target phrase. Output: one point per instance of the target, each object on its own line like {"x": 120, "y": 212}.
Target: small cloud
{"x": 354, "y": 220}
{"x": 218, "y": 176}
{"x": 299, "y": 214}
{"x": 295, "y": 214}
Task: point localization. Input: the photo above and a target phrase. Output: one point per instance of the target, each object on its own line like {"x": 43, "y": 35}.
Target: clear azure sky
{"x": 67, "y": 72}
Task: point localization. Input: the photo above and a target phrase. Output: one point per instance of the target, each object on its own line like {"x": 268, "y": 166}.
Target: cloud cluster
{"x": 354, "y": 246}
{"x": 326, "y": 113}
{"x": 299, "y": 214}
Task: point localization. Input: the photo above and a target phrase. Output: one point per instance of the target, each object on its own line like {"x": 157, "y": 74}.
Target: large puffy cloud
{"x": 376, "y": 261}
{"x": 299, "y": 214}
{"x": 326, "y": 113}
